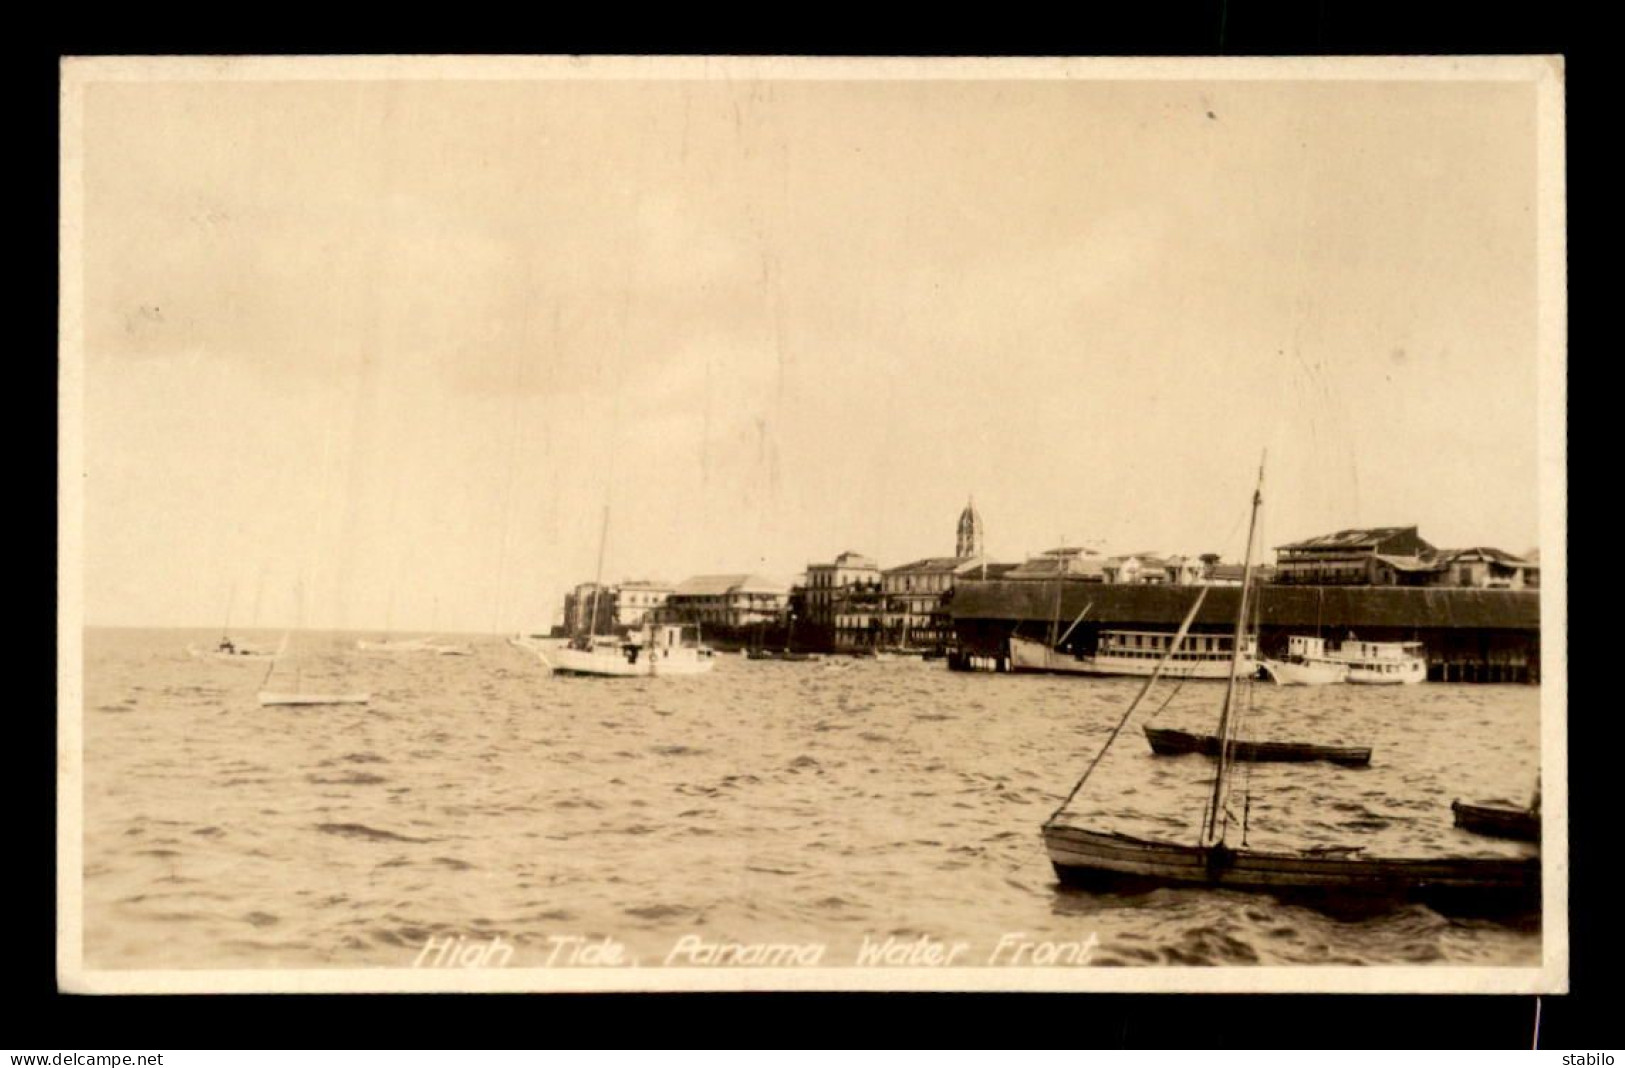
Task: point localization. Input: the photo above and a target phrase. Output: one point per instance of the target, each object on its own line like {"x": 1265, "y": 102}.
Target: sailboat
{"x": 299, "y": 695}
{"x": 654, "y": 649}
{"x": 430, "y": 644}
{"x": 1086, "y": 856}
{"x": 228, "y": 650}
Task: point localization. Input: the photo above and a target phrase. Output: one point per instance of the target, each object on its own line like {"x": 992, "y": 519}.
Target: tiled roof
{"x": 719, "y": 585}
{"x": 1500, "y": 556}
{"x": 936, "y": 565}
{"x": 1363, "y": 538}
{"x": 1408, "y": 563}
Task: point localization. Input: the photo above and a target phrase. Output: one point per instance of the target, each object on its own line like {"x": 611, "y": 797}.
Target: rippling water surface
{"x": 830, "y": 801}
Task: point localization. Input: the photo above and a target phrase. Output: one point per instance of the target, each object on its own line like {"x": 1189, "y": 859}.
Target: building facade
{"x": 636, "y": 602}
{"x": 590, "y": 609}
{"x": 1485, "y": 568}
{"x": 727, "y": 601}
{"x": 831, "y": 585}
{"x": 916, "y": 599}
{"x": 1376, "y": 556}
{"x": 1398, "y": 556}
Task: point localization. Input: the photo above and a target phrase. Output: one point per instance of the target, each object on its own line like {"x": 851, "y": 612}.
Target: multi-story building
{"x": 635, "y": 602}
{"x": 726, "y": 600}
{"x": 916, "y": 599}
{"x": 1377, "y": 556}
{"x": 590, "y": 609}
{"x": 857, "y": 617}
{"x": 830, "y": 584}
{"x": 1397, "y": 556}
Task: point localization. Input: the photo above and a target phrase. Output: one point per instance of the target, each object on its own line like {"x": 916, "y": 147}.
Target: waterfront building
{"x": 916, "y": 597}
{"x": 1376, "y": 556}
{"x": 635, "y": 602}
{"x": 589, "y": 608}
{"x": 1482, "y": 567}
{"x": 1398, "y": 556}
{"x": 726, "y": 600}
{"x": 857, "y": 617}
{"x": 593, "y": 609}
{"x": 829, "y": 585}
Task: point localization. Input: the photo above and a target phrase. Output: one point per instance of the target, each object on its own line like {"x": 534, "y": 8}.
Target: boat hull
{"x": 617, "y": 665}
{"x": 1177, "y": 743}
{"x": 1027, "y": 655}
{"x": 248, "y": 656}
{"x": 405, "y": 645}
{"x": 1497, "y": 820}
{"x": 1087, "y": 858}
{"x": 1406, "y": 673}
{"x": 1321, "y": 673}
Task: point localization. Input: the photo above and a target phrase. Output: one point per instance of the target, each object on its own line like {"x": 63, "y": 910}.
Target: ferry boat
{"x": 1312, "y": 662}
{"x": 1305, "y": 664}
{"x": 1137, "y": 652}
{"x": 657, "y": 649}
{"x": 1383, "y": 663}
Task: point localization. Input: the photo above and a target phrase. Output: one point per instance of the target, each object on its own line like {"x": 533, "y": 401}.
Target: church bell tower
{"x": 969, "y": 542}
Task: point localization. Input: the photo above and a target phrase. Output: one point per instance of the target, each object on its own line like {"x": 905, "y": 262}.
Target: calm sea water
{"x": 827, "y": 802}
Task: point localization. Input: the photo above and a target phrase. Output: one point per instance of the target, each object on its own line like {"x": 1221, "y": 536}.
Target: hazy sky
{"x": 398, "y": 344}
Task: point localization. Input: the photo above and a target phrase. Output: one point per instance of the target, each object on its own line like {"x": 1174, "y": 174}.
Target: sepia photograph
{"x": 789, "y": 523}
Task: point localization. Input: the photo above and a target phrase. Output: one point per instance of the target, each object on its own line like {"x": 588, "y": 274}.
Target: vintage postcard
{"x": 684, "y": 523}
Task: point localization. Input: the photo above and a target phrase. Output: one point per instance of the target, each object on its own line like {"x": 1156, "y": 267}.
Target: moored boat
{"x": 301, "y": 696}
{"x": 1139, "y": 653}
{"x": 1305, "y": 664}
{"x": 1088, "y": 858}
{"x": 1169, "y": 742}
{"x": 232, "y": 653}
{"x": 1498, "y": 819}
{"x": 657, "y": 649}
{"x": 1382, "y": 663}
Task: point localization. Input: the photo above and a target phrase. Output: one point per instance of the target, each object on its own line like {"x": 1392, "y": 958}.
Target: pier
{"x": 1471, "y": 635}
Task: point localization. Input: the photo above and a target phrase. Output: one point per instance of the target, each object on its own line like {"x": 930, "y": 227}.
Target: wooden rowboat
{"x": 1498, "y": 819}
{"x": 1177, "y": 743}
{"x": 1090, "y": 858}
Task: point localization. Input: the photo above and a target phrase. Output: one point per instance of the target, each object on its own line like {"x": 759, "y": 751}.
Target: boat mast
{"x": 598, "y": 578}
{"x": 1055, "y": 612}
{"x": 1212, "y": 833}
